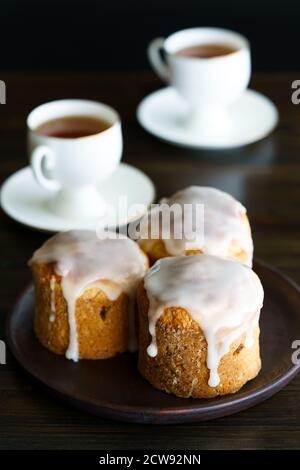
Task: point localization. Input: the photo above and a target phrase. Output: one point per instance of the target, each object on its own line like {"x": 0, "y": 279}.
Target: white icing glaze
{"x": 52, "y": 299}
{"x": 222, "y": 295}
{"x": 223, "y": 223}
{"x": 83, "y": 260}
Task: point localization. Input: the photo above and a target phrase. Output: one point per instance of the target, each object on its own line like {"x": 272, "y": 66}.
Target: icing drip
{"x": 52, "y": 299}
{"x": 83, "y": 260}
{"x": 223, "y": 223}
{"x": 222, "y": 295}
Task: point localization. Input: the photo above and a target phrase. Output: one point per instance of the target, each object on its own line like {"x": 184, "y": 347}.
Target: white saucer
{"x": 163, "y": 112}
{"x": 26, "y": 202}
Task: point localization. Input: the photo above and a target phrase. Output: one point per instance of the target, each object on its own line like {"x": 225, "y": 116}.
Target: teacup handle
{"x": 154, "y": 54}
{"x": 42, "y": 158}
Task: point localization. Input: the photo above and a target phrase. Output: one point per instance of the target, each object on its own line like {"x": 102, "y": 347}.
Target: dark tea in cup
{"x": 72, "y": 127}
{"x": 206, "y": 51}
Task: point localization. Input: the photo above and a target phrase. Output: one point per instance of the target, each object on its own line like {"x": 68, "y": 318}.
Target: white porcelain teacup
{"x": 207, "y": 85}
{"x": 73, "y": 168}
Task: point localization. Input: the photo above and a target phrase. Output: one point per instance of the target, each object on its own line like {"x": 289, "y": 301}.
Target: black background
{"x": 113, "y": 34}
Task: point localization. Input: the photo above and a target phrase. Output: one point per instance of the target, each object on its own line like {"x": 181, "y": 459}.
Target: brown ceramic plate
{"x": 113, "y": 388}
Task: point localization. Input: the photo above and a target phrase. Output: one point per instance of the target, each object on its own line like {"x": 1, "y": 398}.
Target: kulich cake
{"x": 198, "y": 325}
{"x": 225, "y": 227}
{"x": 85, "y": 293}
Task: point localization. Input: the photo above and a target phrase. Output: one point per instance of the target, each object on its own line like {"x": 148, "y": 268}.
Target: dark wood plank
{"x": 265, "y": 176}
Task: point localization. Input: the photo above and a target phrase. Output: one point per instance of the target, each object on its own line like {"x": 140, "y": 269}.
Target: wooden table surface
{"x": 264, "y": 176}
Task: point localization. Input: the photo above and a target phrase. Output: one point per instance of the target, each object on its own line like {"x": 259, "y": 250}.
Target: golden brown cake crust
{"x": 180, "y": 365}
{"x": 102, "y": 324}
{"x": 155, "y": 249}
